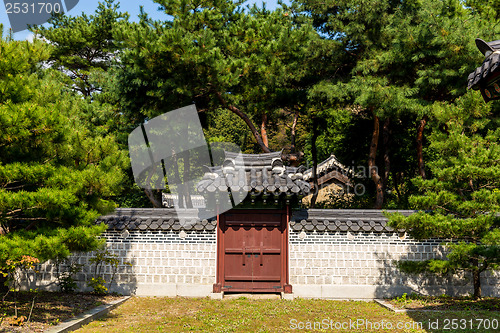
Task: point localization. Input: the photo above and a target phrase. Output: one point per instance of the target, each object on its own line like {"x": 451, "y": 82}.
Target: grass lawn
{"x": 155, "y": 314}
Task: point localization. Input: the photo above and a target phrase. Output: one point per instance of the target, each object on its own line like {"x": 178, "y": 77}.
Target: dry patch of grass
{"x": 49, "y": 308}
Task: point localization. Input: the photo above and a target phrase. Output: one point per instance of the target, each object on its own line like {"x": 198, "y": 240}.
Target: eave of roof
{"x": 491, "y": 64}
{"x": 255, "y": 174}
{"x": 329, "y": 165}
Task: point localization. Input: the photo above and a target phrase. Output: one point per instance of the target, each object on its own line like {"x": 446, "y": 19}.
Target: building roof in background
{"x": 328, "y": 170}
{"x": 170, "y": 200}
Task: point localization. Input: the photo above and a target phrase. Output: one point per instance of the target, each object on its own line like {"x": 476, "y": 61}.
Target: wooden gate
{"x": 252, "y": 251}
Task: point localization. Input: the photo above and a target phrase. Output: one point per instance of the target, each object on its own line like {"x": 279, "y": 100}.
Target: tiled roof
{"x": 157, "y": 219}
{"x": 333, "y": 167}
{"x": 491, "y": 63}
{"x": 342, "y": 220}
{"x": 255, "y": 174}
{"x": 305, "y": 219}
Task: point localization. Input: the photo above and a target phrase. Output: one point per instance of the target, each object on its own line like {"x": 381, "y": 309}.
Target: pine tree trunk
{"x": 153, "y": 197}
{"x": 387, "y": 161}
{"x": 476, "y": 279}
{"x": 187, "y": 171}
{"x": 293, "y": 132}
{"x": 314, "y": 153}
{"x": 477, "y": 284}
{"x": 263, "y": 131}
{"x": 247, "y": 121}
{"x": 420, "y": 143}
{"x": 294, "y": 157}
{"x": 379, "y": 195}
{"x": 181, "y": 188}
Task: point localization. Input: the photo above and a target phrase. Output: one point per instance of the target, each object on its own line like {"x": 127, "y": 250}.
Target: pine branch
{"x": 246, "y": 119}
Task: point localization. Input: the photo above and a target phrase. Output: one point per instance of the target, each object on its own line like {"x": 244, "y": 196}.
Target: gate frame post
{"x": 217, "y": 288}
{"x": 287, "y": 287}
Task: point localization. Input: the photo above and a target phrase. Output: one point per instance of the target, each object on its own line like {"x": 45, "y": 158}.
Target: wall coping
{"x": 356, "y": 220}
{"x": 308, "y": 220}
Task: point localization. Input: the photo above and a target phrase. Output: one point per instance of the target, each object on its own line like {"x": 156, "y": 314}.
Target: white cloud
{"x": 30, "y": 37}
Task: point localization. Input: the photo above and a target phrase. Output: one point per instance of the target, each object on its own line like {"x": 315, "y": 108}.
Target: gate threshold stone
{"x": 83, "y": 319}
{"x": 252, "y": 296}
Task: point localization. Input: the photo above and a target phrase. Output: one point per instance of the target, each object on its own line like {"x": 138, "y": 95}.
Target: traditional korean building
{"x": 334, "y": 178}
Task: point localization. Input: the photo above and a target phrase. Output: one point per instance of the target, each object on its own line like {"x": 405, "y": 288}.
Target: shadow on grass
{"x": 48, "y": 307}
{"x": 445, "y": 309}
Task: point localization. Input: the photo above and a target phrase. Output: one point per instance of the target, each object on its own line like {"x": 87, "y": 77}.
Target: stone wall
{"x": 360, "y": 265}
{"x": 332, "y": 254}
{"x": 351, "y": 254}
{"x": 167, "y": 263}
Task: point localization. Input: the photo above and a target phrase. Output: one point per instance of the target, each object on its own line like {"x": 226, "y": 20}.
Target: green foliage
{"x": 103, "y": 257}
{"x": 402, "y": 300}
{"x": 66, "y": 279}
{"x": 56, "y": 173}
{"x": 215, "y": 54}
{"x": 401, "y": 53}
{"x": 225, "y": 126}
{"x": 98, "y": 285}
{"x": 84, "y": 45}
{"x": 335, "y": 137}
{"x": 488, "y": 9}
{"x": 395, "y": 60}
{"x": 349, "y": 200}
{"x": 461, "y": 203}
{"x": 132, "y": 196}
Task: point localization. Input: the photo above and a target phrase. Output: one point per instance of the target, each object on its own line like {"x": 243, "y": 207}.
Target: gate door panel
{"x": 253, "y": 251}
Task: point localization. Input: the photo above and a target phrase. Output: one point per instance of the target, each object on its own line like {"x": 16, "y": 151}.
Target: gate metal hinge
{"x": 228, "y": 286}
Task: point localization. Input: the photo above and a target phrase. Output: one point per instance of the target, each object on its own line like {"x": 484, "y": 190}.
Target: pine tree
{"x": 85, "y": 51}
{"x": 84, "y": 45}
{"x": 461, "y": 203}
{"x": 252, "y": 62}
{"x": 55, "y": 173}
{"x": 397, "y": 59}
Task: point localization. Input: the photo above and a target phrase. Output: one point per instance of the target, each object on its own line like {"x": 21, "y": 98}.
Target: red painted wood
{"x": 252, "y": 251}
{"x": 287, "y": 287}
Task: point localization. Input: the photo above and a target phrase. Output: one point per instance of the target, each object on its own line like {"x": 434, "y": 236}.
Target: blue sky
{"x": 130, "y": 6}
